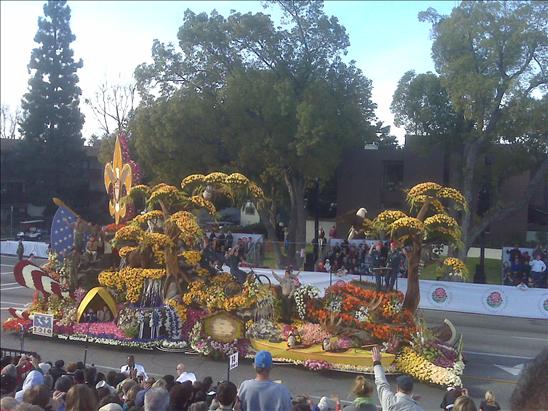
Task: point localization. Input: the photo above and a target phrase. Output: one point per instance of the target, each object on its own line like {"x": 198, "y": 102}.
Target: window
{"x": 392, "y": 176}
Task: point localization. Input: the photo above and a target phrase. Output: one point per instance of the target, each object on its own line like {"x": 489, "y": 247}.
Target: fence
{"x": 15, "y": 353}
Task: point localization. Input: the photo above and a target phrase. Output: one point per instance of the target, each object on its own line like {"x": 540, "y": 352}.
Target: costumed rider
{"x": 288, "y": 284}
{"x": 376, "y": 262}
{"x": 394, "y": 262}
{"x": 233, "y": 259}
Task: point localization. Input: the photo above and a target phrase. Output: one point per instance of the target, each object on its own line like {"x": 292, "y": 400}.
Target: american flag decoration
{"x": 31, "y": 276}
{"x": 62, "y": 230}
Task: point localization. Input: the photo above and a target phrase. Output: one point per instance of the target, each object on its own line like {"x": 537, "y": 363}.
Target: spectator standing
{"x": 226, "y": 398}
{"x": 133, "y": 370}
{"x": 80, "y": 398}
{"x": 20, "y": 249}
{"x": 464, "y": 403}
{"x": 183, "y": 375}
{"x": 394, "y": 262}
{"x": 57, "y": 370}
{"x": 156, "y": 399}
{"x": 489, "y": 403}
{"x": 261, "y": 393}
{"x": 333, "y": 232}
{"x": 450, "y": 397}
{"x": 147, "y": 385}
{"x": 402, "y": 400}
{"x": 362, "y": 389}
{"x": 538, "y": 271}
{"x": 229, "y": 240}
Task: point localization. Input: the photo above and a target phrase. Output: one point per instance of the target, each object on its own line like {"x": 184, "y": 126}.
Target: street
{"x": 496, "y": 349}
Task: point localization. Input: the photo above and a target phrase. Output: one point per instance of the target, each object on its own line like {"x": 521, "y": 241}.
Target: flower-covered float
{"x": 160, "y": 288}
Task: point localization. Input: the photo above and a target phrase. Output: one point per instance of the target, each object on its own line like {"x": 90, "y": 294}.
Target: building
{"x": 377, "y": 179}
{"x": 14, "y": 206}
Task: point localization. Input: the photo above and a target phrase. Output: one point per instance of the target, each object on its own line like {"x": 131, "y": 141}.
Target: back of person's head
{"x": 198, "y": 406}
{"x": 111, "y": 378}
{"x": 71, "y": 367}
{"x": 362, "y": 387}
{"x": 8, "y": 404}
{"x": 37, "y": 395}
{"x": 156, "y": 399}
{"x": 79, "y": 377}
{"x": 227, "y": 393}
{"x": 126, "y": 385}
{"x": 161, "y": 383}
{"x": 132, "y": 394}
{"x": 63, "y": 383}
{"x": 80, "y": 365}
{"x": 490, "y": 398}
{"x": 405, "y": 384}
{"x": 102, "y": 392}
{"x": 110, "y": 399}
{"x": 80, "y": 398}
{"x": 263, "y": 362}
{"x": 530, "y": 392}
{"x": 300, "y": 407}
{"x": 180, "y": 395}
{"x": 90, "y": 376}
{"x": 8, "y": 384}
{"x": 464, "y": 403}
{"x": 59, "y": 364}
{"x": 170, "y": 381}
{"x": 48, "y": 381}
{"x": 207, "y": 382}
{"x": 119, "y": 378}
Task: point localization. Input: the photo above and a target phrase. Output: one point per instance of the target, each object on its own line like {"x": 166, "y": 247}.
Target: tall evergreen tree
{"x": 51, "y": 158}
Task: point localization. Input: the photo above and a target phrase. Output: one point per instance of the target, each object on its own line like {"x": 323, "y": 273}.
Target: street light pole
{"x": 11, "y": 222}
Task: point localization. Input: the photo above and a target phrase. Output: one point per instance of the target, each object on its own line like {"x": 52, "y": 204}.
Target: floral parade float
{"x": 158, "y": 288}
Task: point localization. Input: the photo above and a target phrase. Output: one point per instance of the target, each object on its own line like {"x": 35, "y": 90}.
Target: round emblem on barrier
{"x": 543, "y": 305}
{"x": 439, "y": 295}
{"x": 494, "y": 300}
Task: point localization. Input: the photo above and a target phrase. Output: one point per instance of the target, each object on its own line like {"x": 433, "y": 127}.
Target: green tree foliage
{"x": 490, "y": 89}
{"x": 279, "y": 99}
{"x": 51, "y": 157}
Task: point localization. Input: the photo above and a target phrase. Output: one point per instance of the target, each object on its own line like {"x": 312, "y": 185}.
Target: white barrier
{"x": 39, "y": 249}
{"x": 453, "y": 296}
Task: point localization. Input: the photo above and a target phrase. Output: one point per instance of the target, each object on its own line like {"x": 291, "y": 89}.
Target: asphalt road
{"x": 496, "y": 349}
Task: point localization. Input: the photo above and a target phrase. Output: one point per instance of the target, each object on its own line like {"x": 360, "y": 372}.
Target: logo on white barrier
{"x": 42, "y": 324}
{"x": 440, "y": 295}
{"x": 543, "y": 304}
{"x": 494, "y": 300}
{"x": 233, "y": 361}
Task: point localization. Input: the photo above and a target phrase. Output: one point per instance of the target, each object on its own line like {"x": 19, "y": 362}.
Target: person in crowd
{"x": 156, "y": 399}
{"x": 34, "y": 377}
{"x": 538, "y": 251}
{"x": 108, "y": 402}
{"x": 57, "y": 370}
{"x": 450, "y": 397}
{"x": 229, "y": 240}
{"x": 333, "y": 232}
{"x": 111, "y": 406}
{"x": 287, "y": 283}
{"x": 183, "y": 375}
{"x": 8, "y": 404}
{"x": 133, "y": 369}
{"x": 464, "y": 403}
{"x": 20, "y": 249}
{"x": 514, "y": 253}
{"x": 148, "y": 383}
{"x": 538, "y": 272}
{"x": 394, "y": 262}
{"x": 489, "y": 403}
{"x": 233, "y": 259}
{"x": 261, "y": 393}
{"x": 516, "y": 270}
{"x": 226, "y": 398}
{"x": 363, "y": 391}
{"x": 180, "y": 396}
{"x": 40, "y": 395}
{"x": 80, "y": 398}
{"x": 131, "y": 397}
{"x": 376, "y": 263}
{"x": 530, "y": 392}
{"x": 170, "y": 381}
{"x": 403, "y": 398}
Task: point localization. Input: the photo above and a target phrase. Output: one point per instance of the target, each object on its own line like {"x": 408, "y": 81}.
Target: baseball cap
{"x": 405, "y": 383}
{"x": 45, "y": 367}
{"x": 263, "y": 359}
{"x": 111, "y": 407}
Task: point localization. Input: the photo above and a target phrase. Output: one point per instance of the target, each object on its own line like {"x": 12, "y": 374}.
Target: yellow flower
{"x": 237, "y": 179}
{"x": 215, "y": 178}
{"x": 456, "y": 265}
{"x": 151, "y": 215}
{"x": 385, "y": 218}
{"x": 124, "y": 251}
{"x": 255, "y": 191}
{"x": 179, "y": 308}
{"x": 164, "y": 192}
{"x": 129, "y": 233}
{"x": 192, "y": 257}
{"x": 189, "y": 228}
{"x": 192, "y": 179}
{"x": 201, "y": 202}
{"x": 405, "y": 227}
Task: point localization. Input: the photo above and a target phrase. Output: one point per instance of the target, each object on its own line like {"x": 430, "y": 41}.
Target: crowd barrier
{"x": 453, "y": 296}
{"x": 39, "y": 249}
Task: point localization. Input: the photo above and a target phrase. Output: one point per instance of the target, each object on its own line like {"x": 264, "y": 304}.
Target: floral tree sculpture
{"x": 161, "y": 244}
{"x": 431, "y": 226}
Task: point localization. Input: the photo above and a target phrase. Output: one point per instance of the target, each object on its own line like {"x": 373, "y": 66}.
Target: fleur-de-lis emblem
{"x": 117, "y": 175}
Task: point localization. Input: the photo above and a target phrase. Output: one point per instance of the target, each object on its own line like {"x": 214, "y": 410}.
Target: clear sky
{"x": 113, "y": 37}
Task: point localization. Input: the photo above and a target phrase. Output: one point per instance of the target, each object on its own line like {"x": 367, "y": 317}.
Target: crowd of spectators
{"x": 219, "y": 249}
{"x": 28, "y": 384}
{"x": 524, "y": 269}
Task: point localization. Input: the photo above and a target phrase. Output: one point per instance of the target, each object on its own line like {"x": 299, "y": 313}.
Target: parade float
{"x": 153, "y": 286}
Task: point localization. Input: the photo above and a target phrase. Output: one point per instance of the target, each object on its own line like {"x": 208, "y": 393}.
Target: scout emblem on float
{"x": 118, "y": 176}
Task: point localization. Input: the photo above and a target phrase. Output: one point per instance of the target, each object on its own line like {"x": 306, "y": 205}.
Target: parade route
{"x": 496, "y": 349}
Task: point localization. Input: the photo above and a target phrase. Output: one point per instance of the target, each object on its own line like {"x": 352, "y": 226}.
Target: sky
{"x": 113, "y": 37}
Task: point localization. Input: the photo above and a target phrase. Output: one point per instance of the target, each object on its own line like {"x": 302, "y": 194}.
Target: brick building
{"x": 376, "y": 179}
